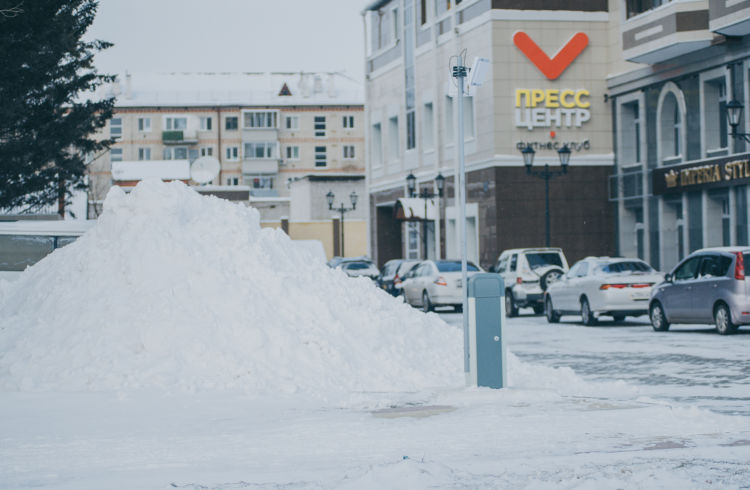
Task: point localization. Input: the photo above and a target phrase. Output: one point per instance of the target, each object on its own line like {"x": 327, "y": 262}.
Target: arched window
{"x": 671, "y": 125}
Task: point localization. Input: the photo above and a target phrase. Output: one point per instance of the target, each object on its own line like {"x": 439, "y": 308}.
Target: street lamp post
{"x": 411, "y": 185}
{"x": 546, "y": 174}
{"x": 734, "y": 115}
{"x": 342, "y": 209}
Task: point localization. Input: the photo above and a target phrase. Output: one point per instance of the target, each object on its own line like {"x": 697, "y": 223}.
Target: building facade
{"x": 263, "y": 132}
{"x": 545, "y": 89}
{"x": 681, "y": 179}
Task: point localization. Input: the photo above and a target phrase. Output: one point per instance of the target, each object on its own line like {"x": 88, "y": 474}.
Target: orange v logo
{"x": 551, "y": 68}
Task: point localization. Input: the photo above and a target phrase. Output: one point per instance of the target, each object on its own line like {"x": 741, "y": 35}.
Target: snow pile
{"x": 173, "y": 290}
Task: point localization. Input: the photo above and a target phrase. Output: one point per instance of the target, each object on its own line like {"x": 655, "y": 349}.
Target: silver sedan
{"x": 436, "y": 283}
{"x": 597, "y": 286}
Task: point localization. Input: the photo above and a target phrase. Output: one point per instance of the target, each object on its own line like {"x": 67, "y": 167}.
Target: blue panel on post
{"x": 487, "y": 291}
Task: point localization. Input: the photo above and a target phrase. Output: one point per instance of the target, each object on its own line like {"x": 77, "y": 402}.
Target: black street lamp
{"x": 411, "y": 186}
{"x": 734, "y": 116}
{"x": 546, "y": 174}
{"x": 342, "y": 209}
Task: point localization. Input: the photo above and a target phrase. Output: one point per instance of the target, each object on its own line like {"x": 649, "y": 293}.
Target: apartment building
{"x": 266, "y": 133}
{"x": 546, "y": 90}
{"x": 681, "y": 178}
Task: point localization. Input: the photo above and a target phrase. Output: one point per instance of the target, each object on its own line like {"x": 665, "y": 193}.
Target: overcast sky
{"x": 231, "y": 35}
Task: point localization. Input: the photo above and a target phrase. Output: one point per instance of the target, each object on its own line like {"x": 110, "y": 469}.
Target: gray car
{"x": 708, "y": 286}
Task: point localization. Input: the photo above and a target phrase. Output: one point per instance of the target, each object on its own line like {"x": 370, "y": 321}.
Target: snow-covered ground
{"x": 177, "y": 345}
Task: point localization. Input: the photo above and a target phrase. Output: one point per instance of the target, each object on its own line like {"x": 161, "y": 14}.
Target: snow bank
{"x": 173, "y": 290}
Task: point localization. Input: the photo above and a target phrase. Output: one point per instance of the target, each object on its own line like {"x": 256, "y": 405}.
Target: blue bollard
{"x": 486, "y": 313}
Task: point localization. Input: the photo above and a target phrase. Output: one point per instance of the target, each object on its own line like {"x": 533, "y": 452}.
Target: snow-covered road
{"x": 637, "y": 410}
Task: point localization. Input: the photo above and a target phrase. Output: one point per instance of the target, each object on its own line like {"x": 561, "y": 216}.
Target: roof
{"x": 46, "y": 227}
{"x": 415, "y": 208}
{"x": 181, "y": 89}
{"x": 375, "y": 5}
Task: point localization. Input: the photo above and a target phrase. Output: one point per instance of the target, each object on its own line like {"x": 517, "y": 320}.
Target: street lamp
{"x": 353, "y": 197}
{"x": 411, "y": 186}
{"x": 734, "y": 115}
{"x": 546, "y": 174}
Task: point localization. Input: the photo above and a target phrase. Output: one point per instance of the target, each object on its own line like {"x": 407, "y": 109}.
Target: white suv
{"x": 526, "y": 273}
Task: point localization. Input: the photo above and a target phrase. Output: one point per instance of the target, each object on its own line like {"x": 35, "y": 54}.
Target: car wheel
{"x": 426, "y": 304}
{"x": 549, "y": 277}
{"x": 511, "y": 308}
{"x": 587, "y": 316}
{"x": 723, "y": 320}
{"x": 552, "y": 315}
{"x": 618, "y": 318}
{"x": 458, "y": 308}
{"x": 658, "y": 319}
{"x": 539, "y": 309}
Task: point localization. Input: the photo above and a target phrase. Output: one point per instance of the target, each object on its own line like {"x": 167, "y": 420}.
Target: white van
{"x": 24, "y": 243}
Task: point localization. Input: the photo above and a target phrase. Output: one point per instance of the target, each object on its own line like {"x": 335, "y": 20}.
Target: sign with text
{"x": 703, "y": 175}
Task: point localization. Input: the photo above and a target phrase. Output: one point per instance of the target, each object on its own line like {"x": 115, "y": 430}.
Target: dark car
{"x": 708, "y": 286}
{"x": 393, "y": 273}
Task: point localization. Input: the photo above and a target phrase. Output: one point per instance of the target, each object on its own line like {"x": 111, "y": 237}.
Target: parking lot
{"x": 690, "y": 364}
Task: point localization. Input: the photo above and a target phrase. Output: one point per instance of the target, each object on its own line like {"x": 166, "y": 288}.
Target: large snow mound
{"x": 178, "y": 291}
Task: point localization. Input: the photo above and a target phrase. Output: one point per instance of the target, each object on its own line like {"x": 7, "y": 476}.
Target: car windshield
{"x": 455, "y": 266}
{"x": 358, "y": 266}
{"x": 543, "y": 259}
{"x": 632, "y": 266}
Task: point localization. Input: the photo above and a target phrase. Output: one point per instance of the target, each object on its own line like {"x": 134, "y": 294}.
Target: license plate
{"x": 639, "y": 296}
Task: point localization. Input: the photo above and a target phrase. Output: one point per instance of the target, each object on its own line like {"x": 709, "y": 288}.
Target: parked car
{"x": 336, "y": 261}
{"x": 392, "y": 273}
{"x": 357, "y": 268}
{"x": 597, "y": 286}
{"x": 433, "y": 283}
{"x": 708, "y": 286}
{"x": 527, "y": 272}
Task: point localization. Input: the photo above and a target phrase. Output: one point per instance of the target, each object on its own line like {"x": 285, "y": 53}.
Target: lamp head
{"x": 734, "y": 114}
{"x": 528, "y": 157}
{"x": 411, "y": 184}
{"x": 353, "y": 196}
{"x": 564, "y": 154}
{"x": 329, "y": 198}
{"x": 440, "y": 181}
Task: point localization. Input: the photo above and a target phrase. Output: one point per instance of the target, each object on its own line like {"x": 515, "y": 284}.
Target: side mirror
{"x": 668, "y": 278}
{"x": 492, "y": 269}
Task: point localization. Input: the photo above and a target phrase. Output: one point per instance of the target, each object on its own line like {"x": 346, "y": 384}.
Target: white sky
{"x": 231, "y": 35}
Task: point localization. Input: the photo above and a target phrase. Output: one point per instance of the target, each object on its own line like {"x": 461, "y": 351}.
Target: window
{"x": 144, "y": 124}
{"x": 513, "y": 262}
{"x": 449, "y": 120}
{"x": 260, "y": 181}
{"x": 442, "y": 6}
{"x": 233, "y": 153}
{"x": 348, "y": 152}
{"x": 206, "y": 124}
{"x": 428, "y": 124}
{"x": 260, "y": 149}
{"x": 291, "y": 122}
{"x": 377, "y": 145}
{"x": 393, "y": 147}
{"x": 715, "y": 114}
{"x": 176, "y": 153}
{"x": 348, "y": 122}
{"x": 175, "y": 123}
{"x": 115, "y": 154}
{"x": 630, "y": 122}
{"x": 412, "y": 242}
{"x": 260, "y": 119}
{"x": 714, "y": 266}
{"x": 230, "y": 123}
{"x": 422, "y": 12}
{"x": 320, "y": 126}
{"x": 670, "y": 125}
{"x": 144, "y": 153}
{"x": 233, "y": 181}
{"x": 115, "y": 127}
{"x": 292, "y": 152}
{"x": 207, "y": 151}
{"x": 394, "y": 18}
{"x": 320, "y": 156}
{"x": 687, "y": 270}
{"x": 635, "y": 7}
{"x": 411, "y": 131}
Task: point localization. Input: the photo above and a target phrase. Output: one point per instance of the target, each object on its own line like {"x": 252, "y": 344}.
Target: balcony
{"x": 730, "y": 18}
{"x": 668, "y": 31}
{"x": 179, "y": 137}
{"x": 261, "y": 166}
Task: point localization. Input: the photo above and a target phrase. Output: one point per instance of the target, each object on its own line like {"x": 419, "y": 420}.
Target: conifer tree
{"x": 47, "y": 121}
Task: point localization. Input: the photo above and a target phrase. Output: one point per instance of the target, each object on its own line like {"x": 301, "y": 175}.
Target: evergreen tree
{"x": 46, "y": 124}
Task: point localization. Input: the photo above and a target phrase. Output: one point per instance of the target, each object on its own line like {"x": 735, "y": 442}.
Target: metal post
{"x": 342, "y": 209}
{"x": 546, "y": 205}
{"x": 459, "y": 71}
{"x": 424, "y": 228}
